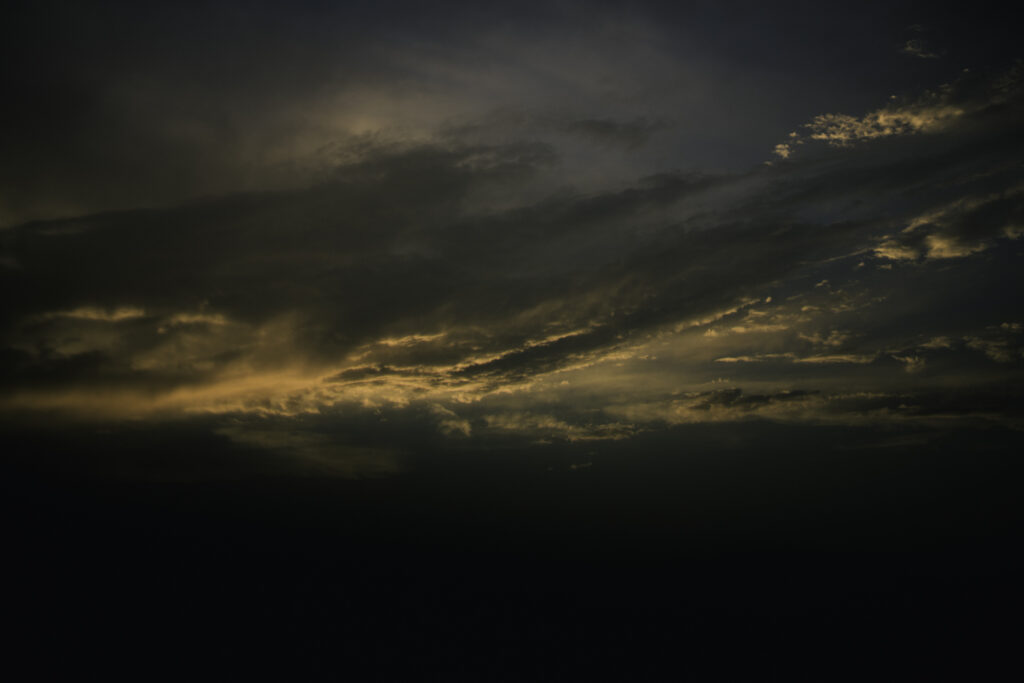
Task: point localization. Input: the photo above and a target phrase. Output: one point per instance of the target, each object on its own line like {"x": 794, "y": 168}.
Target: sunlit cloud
{"x": 930, "y": 112}
{"x": 110, "y": 315}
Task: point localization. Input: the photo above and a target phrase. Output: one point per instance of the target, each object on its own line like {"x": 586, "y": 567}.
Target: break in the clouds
{"x": 525, "y": 231}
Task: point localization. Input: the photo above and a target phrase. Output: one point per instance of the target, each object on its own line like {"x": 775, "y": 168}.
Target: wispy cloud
{"x": 933, "y": 111}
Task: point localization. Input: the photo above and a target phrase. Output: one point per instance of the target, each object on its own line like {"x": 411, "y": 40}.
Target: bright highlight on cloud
{"x": 929, "y": 112}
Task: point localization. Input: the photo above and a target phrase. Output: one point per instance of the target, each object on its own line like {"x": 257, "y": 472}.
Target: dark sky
{"x": 571, "y": 222}
{"x": 361, "y": 241}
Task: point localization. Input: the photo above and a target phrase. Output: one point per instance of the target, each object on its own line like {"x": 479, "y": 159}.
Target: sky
{"x": 364, "y": 241}
{"x": 570, "y": 222}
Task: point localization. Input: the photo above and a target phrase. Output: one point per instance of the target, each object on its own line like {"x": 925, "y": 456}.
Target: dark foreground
{"x": 706, "y": 553}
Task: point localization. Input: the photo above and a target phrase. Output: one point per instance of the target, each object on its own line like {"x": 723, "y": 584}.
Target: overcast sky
{"x": 485, "y": 225}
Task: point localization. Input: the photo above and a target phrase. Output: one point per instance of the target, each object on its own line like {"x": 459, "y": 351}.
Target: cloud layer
{"x": 535, "y": 265}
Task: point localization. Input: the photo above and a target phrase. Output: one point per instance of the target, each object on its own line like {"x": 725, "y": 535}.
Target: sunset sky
{"x": 388, "y": 240}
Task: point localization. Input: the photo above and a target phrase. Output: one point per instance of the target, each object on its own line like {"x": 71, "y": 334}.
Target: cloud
{"x": 94, "y": 313}
{"x": 852, "y": 408}
{"x": 754, "y": 359}
{"x": 912, "y": 364}
{"x": 458, "y": 281}
{"x": 916, "y": 47}
{"x": 930, "y": 112}
{"x": 833, "y": 338}
{"x": 547, "y": 427}
{"x": 960, "y": 228}
{"x": 816, "y": 360}
{"x": 450, "y": 423}
{"x": 1003, "y": 343}
{"x": 858, "y": 359}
